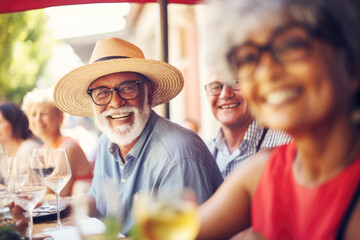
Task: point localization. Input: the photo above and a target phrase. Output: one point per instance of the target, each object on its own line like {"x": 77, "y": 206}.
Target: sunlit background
{"x": 76, "y": 29}
{"x": 84, "y": 20}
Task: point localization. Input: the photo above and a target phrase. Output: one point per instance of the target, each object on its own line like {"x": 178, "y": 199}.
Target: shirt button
{"x": 123, "y": 180}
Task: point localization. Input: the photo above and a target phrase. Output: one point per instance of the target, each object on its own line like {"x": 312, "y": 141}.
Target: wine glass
{"x": 44, "y": 154}
{"x": 4, "y": 174}
{"x": 58, "y": 174}
{"x": 25, "y": 185}
{"x": 4, "y": 194}
{"x": 80, "y": 208}
{"x": 167, "y": 217}
{"x": 112, "y": 223}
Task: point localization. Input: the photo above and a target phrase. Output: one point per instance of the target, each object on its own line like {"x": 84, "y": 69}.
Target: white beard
{"x": 124, "y": 135}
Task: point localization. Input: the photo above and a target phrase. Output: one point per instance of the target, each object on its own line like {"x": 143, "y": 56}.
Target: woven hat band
{"x": 109, "y": 58}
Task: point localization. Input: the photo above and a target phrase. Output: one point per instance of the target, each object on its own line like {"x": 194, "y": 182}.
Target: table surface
{"x": 39, "y": 226}
{"x": 66, "y": 220}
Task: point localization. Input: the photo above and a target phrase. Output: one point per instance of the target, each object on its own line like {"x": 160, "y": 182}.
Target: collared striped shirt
{"x": 229, "y": 162}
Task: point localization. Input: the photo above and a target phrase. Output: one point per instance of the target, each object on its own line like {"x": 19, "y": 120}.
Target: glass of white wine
{"x": 25, "y": 185}
{"x": 170, "y": 217}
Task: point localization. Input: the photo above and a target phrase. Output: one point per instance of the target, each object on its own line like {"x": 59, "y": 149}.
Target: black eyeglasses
{"x": 215, "y": 88}
{"x": 288, "y": 44}
{"x": 127, "y": 90}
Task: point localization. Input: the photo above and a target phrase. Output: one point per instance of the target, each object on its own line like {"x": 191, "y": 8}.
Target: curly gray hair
{"x": 229, "y": 20}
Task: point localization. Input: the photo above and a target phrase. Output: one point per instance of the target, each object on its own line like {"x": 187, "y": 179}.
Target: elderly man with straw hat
{"x": 141, "y": 150}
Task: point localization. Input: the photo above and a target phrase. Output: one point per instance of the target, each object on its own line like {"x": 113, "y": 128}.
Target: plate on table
{"x": 46, "y": 213}
{"x": 39, "y": 214}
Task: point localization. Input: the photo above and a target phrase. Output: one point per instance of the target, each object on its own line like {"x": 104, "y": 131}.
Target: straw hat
{"x": 111, "y": 56}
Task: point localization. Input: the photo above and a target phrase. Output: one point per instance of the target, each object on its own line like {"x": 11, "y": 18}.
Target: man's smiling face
{"x": 229, "y": 107}
{"x": 123, "y": 120}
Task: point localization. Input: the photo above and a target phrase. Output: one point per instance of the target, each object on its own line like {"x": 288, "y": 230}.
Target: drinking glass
{"x": 80, "y": 207}
{"x": 25, "y": 185}
{"x": 4, "y": 174}
{"x": 112, "y": 224}
{"x": 58, "y": 174}
{"x": 44, "y": 154}
{"x": 170, "y": 217}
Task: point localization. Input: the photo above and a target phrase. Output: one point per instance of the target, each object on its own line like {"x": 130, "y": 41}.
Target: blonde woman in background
{"x": 45, "y": 122}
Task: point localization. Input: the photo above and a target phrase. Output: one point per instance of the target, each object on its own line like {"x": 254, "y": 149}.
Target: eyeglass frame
{"x": 310, "y": 30}
{"x": 231, "y": 86}
{"x": 137, "y": 83}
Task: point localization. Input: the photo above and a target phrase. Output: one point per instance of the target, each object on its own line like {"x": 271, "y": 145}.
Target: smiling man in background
{"x": 240, "y": 135}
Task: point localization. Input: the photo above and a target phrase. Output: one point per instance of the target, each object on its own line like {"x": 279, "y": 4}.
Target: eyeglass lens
{"x": 215, "y": 88}
{"x": 287, "y": 45}
{"x": 126, "y": 90}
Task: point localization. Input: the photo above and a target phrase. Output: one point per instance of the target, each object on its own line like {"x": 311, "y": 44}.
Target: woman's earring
{"x": 355, "y": 116}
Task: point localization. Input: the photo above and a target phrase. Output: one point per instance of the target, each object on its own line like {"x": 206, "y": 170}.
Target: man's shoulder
{"x": 171, "y": 139}
{"x": 167, "y": 130}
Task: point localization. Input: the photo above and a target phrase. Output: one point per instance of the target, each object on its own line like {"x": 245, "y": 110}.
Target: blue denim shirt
{"x": 229, "y": 162}
{"x": 166, "y": 157}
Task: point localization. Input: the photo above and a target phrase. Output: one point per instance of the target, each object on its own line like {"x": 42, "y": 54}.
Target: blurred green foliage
{"x": 8, "y": 232}
{"x": 113, "y": 228}
{"x": 25, "y": 47}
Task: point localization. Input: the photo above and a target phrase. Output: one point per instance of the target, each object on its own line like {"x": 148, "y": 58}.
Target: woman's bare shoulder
{"x": 250, "y": 172}
{"x": 71, "y": 147}
{"x": 233, "y": 196}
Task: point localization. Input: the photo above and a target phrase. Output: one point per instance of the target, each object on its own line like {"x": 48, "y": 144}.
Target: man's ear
{"x": 150, "y": 90}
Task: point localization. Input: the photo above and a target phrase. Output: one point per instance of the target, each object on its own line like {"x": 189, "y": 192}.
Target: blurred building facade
{"x": 185, "y": 50}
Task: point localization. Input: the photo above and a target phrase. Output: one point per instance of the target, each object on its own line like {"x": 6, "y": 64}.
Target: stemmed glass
{"x": 44, "y": 154}
{"x": 25, "y": 185}
{"x": 81, "y": 212}
{"x": 167, "y": 217}
{"x": 58, "y": 174}
{"x": 4, "y": 194}
{"x": 4, "y": 174}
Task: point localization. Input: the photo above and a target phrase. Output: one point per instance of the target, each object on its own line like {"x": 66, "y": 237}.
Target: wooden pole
{"x": 164, "y": 47}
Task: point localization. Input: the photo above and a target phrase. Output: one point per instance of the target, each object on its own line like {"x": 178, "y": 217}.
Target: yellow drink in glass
{"x": 166, "y": 220}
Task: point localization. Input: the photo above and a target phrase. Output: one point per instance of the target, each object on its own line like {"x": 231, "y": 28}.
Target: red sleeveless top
{"x": 283, "y": 209}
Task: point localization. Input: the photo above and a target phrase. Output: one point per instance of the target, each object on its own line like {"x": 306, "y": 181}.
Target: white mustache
{"x": 117, "y": 111}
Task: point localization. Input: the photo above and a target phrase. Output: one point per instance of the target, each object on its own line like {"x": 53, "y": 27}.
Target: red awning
{"x": 8, "y": 6}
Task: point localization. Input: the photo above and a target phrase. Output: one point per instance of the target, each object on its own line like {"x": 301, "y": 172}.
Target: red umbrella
{"x": 9, "y": 6}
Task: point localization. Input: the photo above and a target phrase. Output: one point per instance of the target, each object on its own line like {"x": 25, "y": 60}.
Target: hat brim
{"x": 70, "y": 92}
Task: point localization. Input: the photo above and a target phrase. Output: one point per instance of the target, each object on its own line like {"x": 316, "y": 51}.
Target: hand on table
{"x": 18, "y": 217}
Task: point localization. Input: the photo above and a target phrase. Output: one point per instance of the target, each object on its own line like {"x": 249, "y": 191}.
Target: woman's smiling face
{"x": 295, "y": 94}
